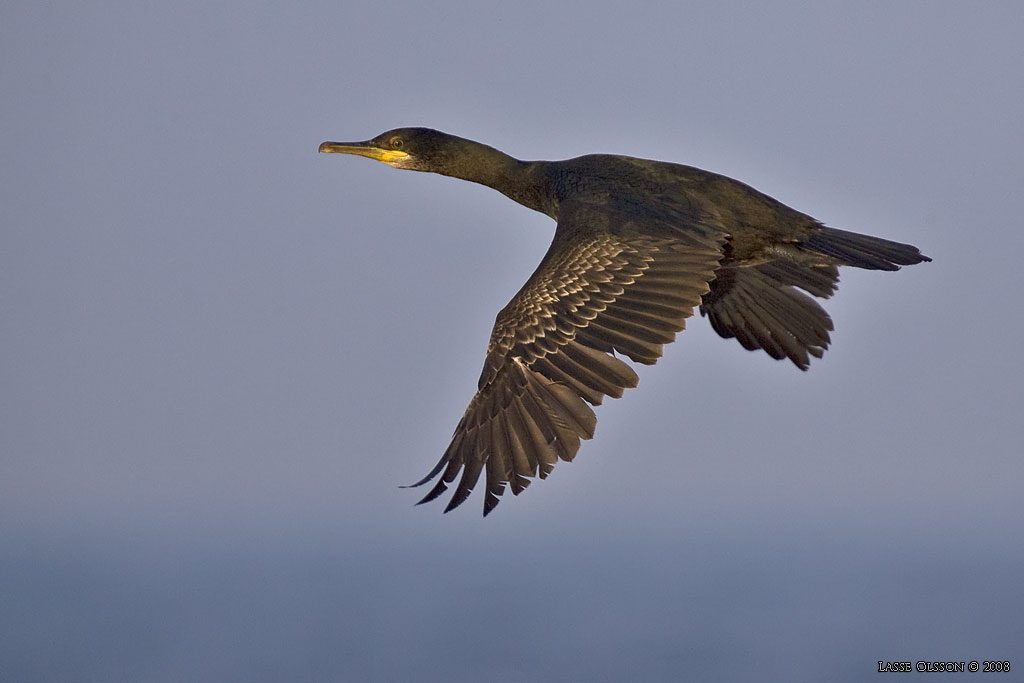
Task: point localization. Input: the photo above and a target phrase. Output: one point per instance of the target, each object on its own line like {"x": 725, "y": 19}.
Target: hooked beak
{"x": 364, "y": 149}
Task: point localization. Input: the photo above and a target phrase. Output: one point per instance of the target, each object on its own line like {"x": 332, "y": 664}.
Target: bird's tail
{"x": 863, "y": 251}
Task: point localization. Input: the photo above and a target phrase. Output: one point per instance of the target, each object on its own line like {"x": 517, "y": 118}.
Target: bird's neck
{"x": 520, "y": 181}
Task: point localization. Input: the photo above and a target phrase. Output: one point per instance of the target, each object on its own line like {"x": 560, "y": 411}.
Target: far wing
{"x": 762, "y": 307}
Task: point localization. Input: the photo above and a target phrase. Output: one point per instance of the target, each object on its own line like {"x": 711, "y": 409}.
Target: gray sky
{"x": 224, "y": 352}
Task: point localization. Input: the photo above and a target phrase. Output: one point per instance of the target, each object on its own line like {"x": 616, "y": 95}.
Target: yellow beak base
{"x": 363, "y": 149}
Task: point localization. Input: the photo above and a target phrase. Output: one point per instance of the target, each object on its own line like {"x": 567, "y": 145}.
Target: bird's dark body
{"x": 639, "y": 244}
{"x": 674, "y": 197}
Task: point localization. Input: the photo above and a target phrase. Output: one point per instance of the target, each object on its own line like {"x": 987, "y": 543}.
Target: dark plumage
{"x": 639, "y": 244}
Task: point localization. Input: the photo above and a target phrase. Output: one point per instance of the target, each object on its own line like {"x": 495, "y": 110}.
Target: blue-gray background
{"x": 222, "y": 352}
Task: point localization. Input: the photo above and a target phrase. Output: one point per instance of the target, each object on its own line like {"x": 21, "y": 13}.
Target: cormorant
{"x": 638, "y": 245}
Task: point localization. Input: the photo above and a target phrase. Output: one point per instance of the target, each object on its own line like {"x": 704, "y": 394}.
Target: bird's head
{"x": 418, "y": 149}
{"x": 422, "y": 149}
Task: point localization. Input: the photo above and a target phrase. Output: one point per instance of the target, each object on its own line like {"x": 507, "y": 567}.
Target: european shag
{"x": 638, "y": 245}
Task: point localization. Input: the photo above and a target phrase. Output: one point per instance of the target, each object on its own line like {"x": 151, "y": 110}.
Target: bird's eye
{"x": 396, "y": 143}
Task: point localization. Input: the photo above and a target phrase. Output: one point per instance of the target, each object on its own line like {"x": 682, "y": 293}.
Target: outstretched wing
{"x": 605, "y": 285}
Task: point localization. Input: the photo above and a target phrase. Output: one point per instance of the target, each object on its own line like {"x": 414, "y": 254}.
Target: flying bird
{"x": 638, "y": 245}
